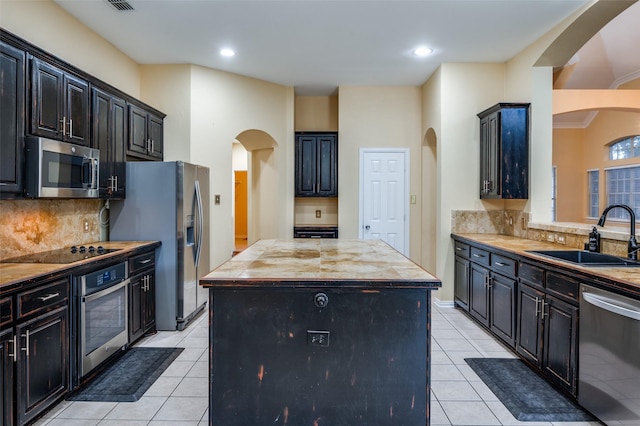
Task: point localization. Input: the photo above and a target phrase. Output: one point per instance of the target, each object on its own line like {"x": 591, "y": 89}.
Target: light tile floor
{"x": 179, "y": 397}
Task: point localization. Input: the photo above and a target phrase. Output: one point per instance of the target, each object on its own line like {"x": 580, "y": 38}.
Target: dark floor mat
{"x": 127, "y": 379}
{"x": 525, "y": 394}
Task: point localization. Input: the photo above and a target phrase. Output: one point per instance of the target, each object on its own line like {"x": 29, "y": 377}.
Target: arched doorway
{"x": 253, "y": 183}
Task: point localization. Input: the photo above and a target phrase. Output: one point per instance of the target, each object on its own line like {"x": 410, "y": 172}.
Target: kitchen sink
{"x": 587, "y": 258}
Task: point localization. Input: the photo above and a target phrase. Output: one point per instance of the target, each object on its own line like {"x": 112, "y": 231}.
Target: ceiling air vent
{"x": 121, "y": 5}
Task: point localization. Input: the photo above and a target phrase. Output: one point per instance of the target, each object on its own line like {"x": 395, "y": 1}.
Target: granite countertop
{"x": 12, "y": 274}
{"x": 519, "y": 246}
{"x": 347, "y": 263}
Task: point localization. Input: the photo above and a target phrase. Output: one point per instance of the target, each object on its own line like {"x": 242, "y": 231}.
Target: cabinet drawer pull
{"x": 144, "y": 262}
{"x": 459, "y": 248}
{"x": 502, "y": 264}
{"x": 48, "y": 296}
{"x": 478, "y": 255}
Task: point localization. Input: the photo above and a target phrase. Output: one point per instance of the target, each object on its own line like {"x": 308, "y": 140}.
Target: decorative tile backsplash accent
{"x": 504, "y": 222}
{"x": 31, "y": 226}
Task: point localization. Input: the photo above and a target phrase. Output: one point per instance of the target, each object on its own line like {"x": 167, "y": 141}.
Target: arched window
{"x": 625, "y": 148}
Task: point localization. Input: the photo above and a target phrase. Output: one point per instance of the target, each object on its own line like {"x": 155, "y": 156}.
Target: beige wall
{"x": 577, "y": 150}
{"x": 316, "y": 113}
{"x": 48, "y": 26}
{"x": 377, "y": 117}
{"x": 571, "y": 182}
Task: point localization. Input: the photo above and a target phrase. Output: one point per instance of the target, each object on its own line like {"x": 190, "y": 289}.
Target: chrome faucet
{"x": 632, "y": 248}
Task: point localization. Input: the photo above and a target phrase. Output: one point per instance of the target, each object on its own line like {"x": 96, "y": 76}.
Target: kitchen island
{"x": 319, "y": 332}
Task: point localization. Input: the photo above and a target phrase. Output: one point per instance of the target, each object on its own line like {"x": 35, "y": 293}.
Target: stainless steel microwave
{"x": 57, "y": 169}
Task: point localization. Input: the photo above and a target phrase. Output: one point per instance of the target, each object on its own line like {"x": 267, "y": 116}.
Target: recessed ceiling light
{"x": 227, "y": 52}
{"x": 422, "y": 51}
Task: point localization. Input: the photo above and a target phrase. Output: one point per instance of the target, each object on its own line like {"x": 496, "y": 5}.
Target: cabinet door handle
{"x": 537, "y": 307}
{"x": 70, "y": 128}
{"x": 545, "y": 311}
{"x": 26, "y": 347}
{"x": 64, "y": 125}
{"x": 14, "y": 343}
{"x": 115, "y": 185}
{"x": 48, "y": 296}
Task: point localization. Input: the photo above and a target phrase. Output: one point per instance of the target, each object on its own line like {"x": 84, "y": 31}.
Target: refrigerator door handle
{"x": 199, "y": 223}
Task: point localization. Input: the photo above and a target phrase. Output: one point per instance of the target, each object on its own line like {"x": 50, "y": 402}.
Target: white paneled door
{"x": 383, "y": 197}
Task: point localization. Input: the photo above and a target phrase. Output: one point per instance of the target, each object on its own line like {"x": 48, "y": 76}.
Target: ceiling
{"x": 318, "y": 45}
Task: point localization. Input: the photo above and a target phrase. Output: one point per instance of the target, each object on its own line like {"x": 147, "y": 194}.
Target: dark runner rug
{"x": 128, "y": 378}
{"x": 525, "y": 394}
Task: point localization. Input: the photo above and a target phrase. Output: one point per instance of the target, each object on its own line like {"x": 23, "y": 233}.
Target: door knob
{"x": 367, "y": 227}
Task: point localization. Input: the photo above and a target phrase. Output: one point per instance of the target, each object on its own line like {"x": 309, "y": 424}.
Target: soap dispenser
{"x": 594, "y": 241}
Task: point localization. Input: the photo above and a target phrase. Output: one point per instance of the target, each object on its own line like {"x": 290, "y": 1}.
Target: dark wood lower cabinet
{"x": 479, "y": 293}
{"x": 43, "y": 362}
{"x": 461, "y": 283}
{"x": 528, "y": 305}
{"x": 141, "y": 305}
{"x": 502, "y": 301}
{"x": 559, "y": 362}
{"x": 6, "y": 375}
{"x": 529, "y": 324}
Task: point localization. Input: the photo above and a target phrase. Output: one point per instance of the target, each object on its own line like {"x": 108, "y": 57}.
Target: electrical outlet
{"x": 86, "y": 226}
{"x": 318, "y": 338}
{"x": 413, "y": 199}
{"x": 561, "y": 239}
{"x": 318, "y": 214}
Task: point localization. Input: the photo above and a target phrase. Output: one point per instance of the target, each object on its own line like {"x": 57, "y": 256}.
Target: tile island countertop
{"x": 310, "y": 329}
{"x": 287, "y": 263}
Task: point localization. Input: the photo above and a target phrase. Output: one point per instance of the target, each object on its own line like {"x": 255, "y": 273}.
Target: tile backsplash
{"x": 31, "y": 226}
{"x": 505, "y": 222}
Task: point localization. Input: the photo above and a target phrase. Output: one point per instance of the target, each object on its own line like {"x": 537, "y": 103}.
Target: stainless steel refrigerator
{"x": 169, "y": 202}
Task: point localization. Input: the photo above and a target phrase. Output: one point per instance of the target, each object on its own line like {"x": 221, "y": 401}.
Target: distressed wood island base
{"x": 319, "y": 332}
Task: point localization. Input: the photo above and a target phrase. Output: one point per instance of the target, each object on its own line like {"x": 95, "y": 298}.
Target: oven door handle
{"x": 106, "y": 291}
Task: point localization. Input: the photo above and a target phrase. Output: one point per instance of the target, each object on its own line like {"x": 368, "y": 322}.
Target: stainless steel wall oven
{"x": 102, "y": 305}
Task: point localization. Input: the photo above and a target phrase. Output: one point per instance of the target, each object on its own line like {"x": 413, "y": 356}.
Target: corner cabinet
{"x": 109, "y": 135}
{"x": 504, "y": 151}
{"x": 146, "y": 137}
{"x": 12, "y": 113}
{"x": 316, "y": 165}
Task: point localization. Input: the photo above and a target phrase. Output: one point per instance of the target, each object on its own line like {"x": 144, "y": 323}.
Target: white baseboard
{"x": 444, "y": 303}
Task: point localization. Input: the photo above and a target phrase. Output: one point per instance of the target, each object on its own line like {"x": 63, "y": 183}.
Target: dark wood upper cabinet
{"x": 109, "y": 135}
{"x": 59, "y": 104}
{"x": 504, "y": 151}
{"x": 12, "y": 109}
{"x": 146, "y": 134}
{"x": 316, "y": 165}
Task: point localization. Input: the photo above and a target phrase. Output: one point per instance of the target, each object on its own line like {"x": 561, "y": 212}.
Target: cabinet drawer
{"x": 461, "y": 249}
{"x": 562, "y": 286}
{"x": 530, "y": 274}
{"x": 504, "y": 265}
{"x": 141, "y": 261}
{"x": 6, "y": 311}
{"x": 44, "y": 298}
{"x": 479, "y": 256}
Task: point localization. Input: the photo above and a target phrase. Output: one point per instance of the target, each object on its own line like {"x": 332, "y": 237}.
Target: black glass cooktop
{"x": 64, "y": 255}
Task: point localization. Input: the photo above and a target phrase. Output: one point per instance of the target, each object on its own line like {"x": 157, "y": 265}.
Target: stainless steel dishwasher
{"x": 609, "y": 355}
